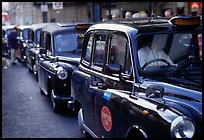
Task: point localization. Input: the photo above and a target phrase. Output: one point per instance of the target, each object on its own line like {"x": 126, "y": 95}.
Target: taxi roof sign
{"x": 82, "y": 26}
{"x": 191, "y": 21}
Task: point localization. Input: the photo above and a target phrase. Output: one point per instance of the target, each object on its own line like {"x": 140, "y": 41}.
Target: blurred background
{"x": 27, "y": 13}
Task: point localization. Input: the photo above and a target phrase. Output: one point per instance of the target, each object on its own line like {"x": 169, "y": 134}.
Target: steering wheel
{"x": 155, "y": 60}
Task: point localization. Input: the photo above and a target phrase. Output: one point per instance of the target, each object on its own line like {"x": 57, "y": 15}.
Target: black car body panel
{"x": 6, "y": 30}
{"x": 32, "y": 47}
{"x": 118, "y": 96}
{"x": 59, "y": 59}
{"x": 23, "y": 40}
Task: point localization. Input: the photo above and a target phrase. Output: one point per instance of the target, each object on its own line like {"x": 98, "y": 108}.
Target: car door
{"x": 110, "y": 90}
{"x": 90, "y": 79}
{"x": 29, "y": 46}
{"x": 44, "y": 63}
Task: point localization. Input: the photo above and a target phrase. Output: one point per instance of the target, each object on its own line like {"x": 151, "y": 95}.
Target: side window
{"x": 89, "y": 44}
{"x": 42, "y": 45}
{"x": 119, "y": 52}
{"x": 30, "y": 35}
{"x": 99, "y": 52}
{"x": 48, "y": 43}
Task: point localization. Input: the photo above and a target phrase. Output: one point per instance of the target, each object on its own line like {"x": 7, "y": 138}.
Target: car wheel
{"x": 55, "y": 105}
{"x": 81, "y": 122}
{"x": 42, "y": 92}
{"x": 35, "y": 72}
{"x": 30, "y": 70}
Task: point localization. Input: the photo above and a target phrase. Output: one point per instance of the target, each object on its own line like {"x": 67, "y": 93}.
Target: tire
{"x": 56, "y": 107}
{"x": 30, "y": 70}
{"x": 36, "y": 77}
{"x": 35, "y": 72}
{"x": 42, "y": 92}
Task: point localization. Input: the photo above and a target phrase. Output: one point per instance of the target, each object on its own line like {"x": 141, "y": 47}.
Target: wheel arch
{"x": 136, "y": 132}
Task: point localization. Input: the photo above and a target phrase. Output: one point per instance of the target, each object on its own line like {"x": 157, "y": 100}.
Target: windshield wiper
{"x": 76, "y": 50}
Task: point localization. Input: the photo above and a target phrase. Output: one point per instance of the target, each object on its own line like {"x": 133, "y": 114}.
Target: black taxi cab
{"x": 32, "y": 47}
{"x": 6, "y": 30}
{"x": 59, "y": 56}
{"x": 23, "y": 40}
{"x": 140, "y": 78}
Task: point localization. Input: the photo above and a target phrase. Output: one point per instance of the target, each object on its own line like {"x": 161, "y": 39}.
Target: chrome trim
{"x": 142, "y": 131}
{"x": 44, "y": 91}
{"x": 89, "y": 131}
{"x": 46, "y": 69}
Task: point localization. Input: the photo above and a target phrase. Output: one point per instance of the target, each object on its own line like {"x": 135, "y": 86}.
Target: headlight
{"x": 62, "y": 74}
{"x": 182, "y": 127}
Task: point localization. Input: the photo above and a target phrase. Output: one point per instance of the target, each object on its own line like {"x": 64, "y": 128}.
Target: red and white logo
{"x": 57, "y": 5}
{"x": 106, "y": 118}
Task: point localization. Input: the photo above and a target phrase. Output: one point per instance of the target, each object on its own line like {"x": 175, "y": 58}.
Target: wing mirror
{"x": 29, "y": 41}
{"x": 154, "y": 91}
{"x": 43, "y": 51}
{"x": 114, "y": 69}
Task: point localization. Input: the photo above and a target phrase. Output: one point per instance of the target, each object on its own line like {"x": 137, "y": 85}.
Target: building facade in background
{"x": 27, "y": 13}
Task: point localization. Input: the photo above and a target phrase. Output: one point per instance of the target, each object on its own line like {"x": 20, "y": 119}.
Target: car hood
{"x": 185, "y": 97}
{"x": 70, "y": 59}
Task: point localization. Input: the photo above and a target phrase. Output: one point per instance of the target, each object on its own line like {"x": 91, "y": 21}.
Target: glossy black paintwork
{"x": 32, "y": 48}
{"x": 23, "y": 40}
{"x": 48, "y": 64}
{"x": 132, "y": 112}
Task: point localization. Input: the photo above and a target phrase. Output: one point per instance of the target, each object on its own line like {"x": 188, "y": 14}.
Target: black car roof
{"x": 40, "y": 25}
{"x": 151, "y": 24}
{"x": 62, "y": 26}
{"x": 22, "y": 27}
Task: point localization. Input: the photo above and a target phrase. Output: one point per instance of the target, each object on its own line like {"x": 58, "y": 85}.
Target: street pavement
{"x": 28, "y": 114}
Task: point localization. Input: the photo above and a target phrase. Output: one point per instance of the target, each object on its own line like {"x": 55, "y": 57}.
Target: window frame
{"x": 127, "y": 51}
{"x": 84, "y": 49}
{"x": 95, "y": 67}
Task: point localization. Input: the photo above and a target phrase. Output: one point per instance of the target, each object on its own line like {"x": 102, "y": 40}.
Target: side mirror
{"x": 154, "y": 91}
{"x": 113, "y": 69}
{"x": 43, "y": 51}
{"x": 53, "y": 59}
{"x": 30, "y": 41}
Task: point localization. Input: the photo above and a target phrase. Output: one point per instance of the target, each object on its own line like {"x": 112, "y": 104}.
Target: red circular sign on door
{"x": 106, "y": 118}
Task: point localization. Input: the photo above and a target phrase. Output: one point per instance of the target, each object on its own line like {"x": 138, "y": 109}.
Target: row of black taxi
{"x": 52, "y": 52}
{"x": 131, "y": 78}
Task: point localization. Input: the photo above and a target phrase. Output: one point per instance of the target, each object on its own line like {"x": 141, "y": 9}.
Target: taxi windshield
{"x": 163, "y": 52}
{"x": 38, "y": 36}
{"x": 66, "y": 42}
{"x": 25, "y": 34}
{"x": 8, "y": 31}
